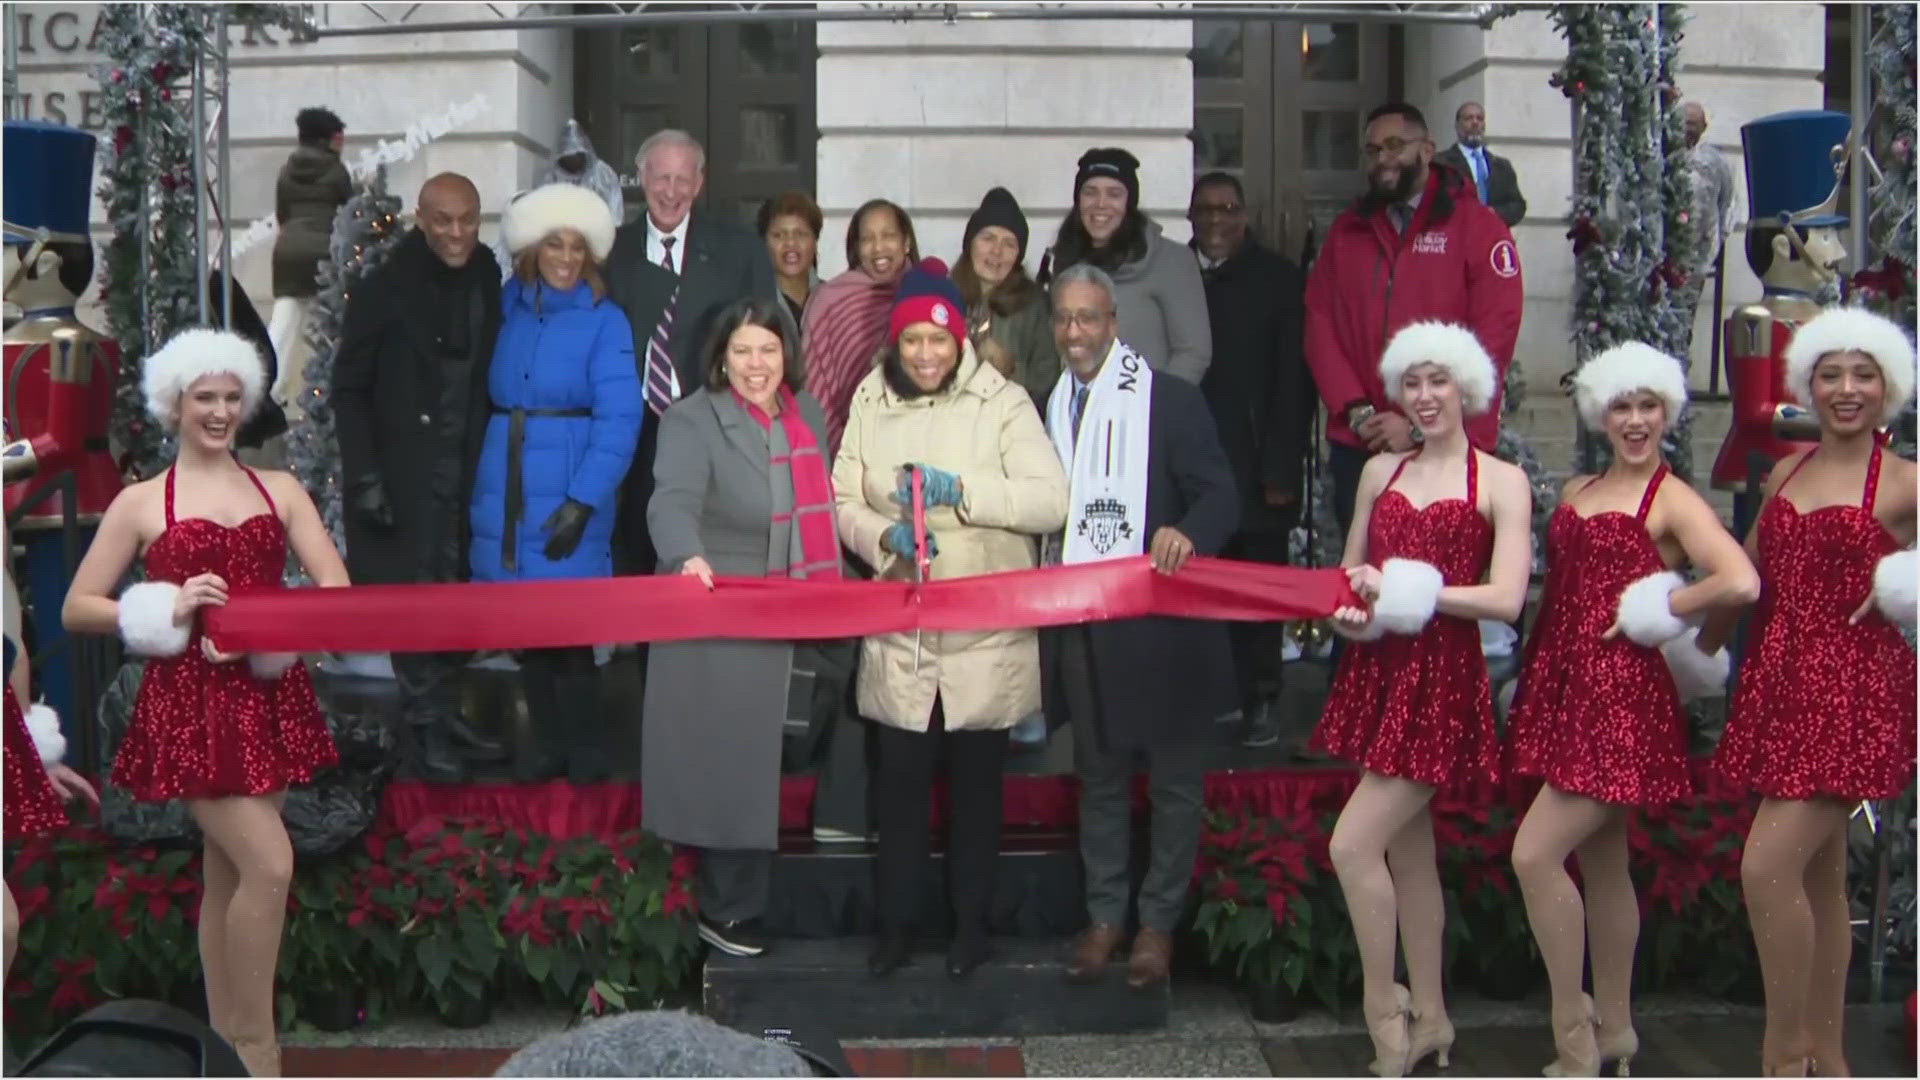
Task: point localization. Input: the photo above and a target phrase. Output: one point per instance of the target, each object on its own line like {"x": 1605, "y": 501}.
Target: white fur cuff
{"x": 44, "y": 725}
{"x": 270, "y": 666}
{"x": 146, "y": 619}
{"x": 1645, "y": 616}
{"x": 1696, "y": 675}
{"x": 1896, "y": 592}
{"x": 1409, "y": 592}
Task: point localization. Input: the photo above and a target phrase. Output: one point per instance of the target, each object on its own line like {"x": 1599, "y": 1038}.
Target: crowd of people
{"x": 641, "y": 398}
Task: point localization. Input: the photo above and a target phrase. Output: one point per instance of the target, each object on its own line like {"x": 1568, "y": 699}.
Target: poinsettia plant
{"x": 1490, "y": 938}
{"x": 1686, "y": 859}
{"x": 1269, "y": 906}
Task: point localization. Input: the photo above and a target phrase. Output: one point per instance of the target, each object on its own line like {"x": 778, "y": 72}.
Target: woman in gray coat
{"x": 741, "y": 488}
{"x": 1159, "y": 299}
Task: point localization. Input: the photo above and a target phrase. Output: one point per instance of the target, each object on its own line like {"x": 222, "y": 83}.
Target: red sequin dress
{"x": 32, "y": 806}
{"x": 203, "y": 730}
{"x": 1417, "y": 706}
{"x": 1594, "y": 717}
{"x": 1822, "y": 707}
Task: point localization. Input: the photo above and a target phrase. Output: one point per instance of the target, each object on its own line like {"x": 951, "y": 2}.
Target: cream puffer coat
{"x": 986, "y": 431}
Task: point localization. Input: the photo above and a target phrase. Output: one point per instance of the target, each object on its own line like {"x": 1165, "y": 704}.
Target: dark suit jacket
{"x": 1503, "y": 185}
{"x": 1163, "y": 680}
{"x": 722, "y": 263}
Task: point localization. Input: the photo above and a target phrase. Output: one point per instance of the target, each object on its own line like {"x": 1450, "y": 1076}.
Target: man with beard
{"x": 410, "y": 404}
{"x": 1494, "y": 181}
{"x": 1262, "y": 405}
{"x": 1416, "y": 247}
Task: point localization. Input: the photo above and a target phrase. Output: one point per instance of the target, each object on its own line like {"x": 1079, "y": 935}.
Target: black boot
{"x": 435, "y": 760}
{"x": 544, "y": 755}
{"x": 891, "y": 951}
{"x": 968, "y": 951}
{"x": 588, "y": 761}
{"x": 471, "y": 743}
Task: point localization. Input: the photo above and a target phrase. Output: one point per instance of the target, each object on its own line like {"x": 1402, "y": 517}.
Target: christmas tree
{"x": 365, "y": 229}
{"x": 152, "y": 273}
{"x": 1888, "y": 286}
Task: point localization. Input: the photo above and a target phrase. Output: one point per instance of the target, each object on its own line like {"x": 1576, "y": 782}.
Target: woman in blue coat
{"x": 566, "y": 414}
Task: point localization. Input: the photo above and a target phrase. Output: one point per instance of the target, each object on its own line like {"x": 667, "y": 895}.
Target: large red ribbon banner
{"x": 547, "y": 614}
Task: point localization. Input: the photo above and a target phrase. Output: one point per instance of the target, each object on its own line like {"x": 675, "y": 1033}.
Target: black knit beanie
{"x": 1112, "y": 162}
{"x": 998, "y": 208}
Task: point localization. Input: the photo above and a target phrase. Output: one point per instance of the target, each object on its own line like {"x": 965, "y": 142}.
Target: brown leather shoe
{"x": 1152, "y": 957}
{"x": 1092, "y": 949}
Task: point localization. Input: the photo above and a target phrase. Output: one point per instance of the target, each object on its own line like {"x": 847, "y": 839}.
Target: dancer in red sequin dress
{"x": 1598, "y": 713}
{"x": 1823, "y": 713}
{"x": 226, "y": 733}
{"x": 37, "y": 785}
{"x": 1410, "y": 701}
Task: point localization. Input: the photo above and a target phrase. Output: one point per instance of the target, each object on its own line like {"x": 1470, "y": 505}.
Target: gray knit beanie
{"x": 654, "y": 1044}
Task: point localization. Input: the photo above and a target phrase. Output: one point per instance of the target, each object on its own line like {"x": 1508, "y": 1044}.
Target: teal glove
{"x": 899, "y": 540}
{"x": 937, "y": 486}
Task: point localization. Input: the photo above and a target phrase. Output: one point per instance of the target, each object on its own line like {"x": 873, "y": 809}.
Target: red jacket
{"x": 1456, "y": 262}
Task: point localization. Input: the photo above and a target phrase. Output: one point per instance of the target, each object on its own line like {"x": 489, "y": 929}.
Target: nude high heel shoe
{"x": 1576, "y": 1047}
{"x": 260, "y": 1056}
{"x": 1618, "y": 1045}
{"x": 1391, "y": 1042}
{"x": 1434, "y": 1038}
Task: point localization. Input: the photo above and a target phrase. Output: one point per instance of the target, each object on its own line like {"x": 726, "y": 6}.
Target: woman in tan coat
{"x": 992, "y": 484}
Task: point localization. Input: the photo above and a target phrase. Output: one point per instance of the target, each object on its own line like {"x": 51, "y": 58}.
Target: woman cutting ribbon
{"x": 990, "y": 484}
{"x": 740, "y": 488}
{"x": 566, "y": 418}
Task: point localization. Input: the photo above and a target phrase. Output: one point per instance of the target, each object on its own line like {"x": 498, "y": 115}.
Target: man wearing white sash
{"x": 1146, "y": 476}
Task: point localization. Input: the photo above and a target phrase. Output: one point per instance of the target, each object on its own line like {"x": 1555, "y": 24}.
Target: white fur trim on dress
{"x": 1696, "y": 675}
{"x": 1628, "y": 368}
{"x": 1895, "y": 591}
{"x": 146, "y": 619}
{"x": 1852, "y": 329}
{"x": 193, "y": 355}
{"x": 531, "y": 217}
{"x": 1645, "y": 615}
{"x": 1450, "y": 346}
{"x": 44, "y": 725}
{"x": 1409, "y": 593}
{"x": 268, "y": 666}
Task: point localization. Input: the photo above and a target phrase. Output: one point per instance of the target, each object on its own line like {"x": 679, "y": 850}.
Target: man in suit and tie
{"x": 672, "y": 271}
{"x": 1493, "y": 175}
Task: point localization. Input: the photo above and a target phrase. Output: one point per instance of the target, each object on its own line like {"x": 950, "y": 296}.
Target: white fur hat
{"x": 531, "y": 217}
{"x": 1852, "y": 329}
{"x": 1628, "y": 368}
{"x": 1449, "y": 346}
{"x": 193, "y": 355}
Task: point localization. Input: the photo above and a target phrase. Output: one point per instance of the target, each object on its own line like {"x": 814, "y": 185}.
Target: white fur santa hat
{"x": 531, "y": 217}
{"x": 1446, "y": 345}
{"x": 1628, "y": 368}
{"x": 193, "y": 355}
{"x": 1852, "y": 329}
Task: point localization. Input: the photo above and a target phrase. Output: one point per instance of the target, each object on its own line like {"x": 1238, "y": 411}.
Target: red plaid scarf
{"x": 846, "y": 323}
{"x": 812, "y": 490}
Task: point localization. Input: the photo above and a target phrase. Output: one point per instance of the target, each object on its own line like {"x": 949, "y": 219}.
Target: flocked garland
{"x": 365, "y": 229}
{"x": 1632, "y": 240}
{"x": 151, "y": 289}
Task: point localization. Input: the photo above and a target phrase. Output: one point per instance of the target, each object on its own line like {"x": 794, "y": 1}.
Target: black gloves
{"x": 564, "y": 527}
{"x": 367, "y": 500}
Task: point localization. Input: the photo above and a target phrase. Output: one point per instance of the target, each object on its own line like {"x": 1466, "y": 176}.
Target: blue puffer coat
{"x": 570, "y": 354}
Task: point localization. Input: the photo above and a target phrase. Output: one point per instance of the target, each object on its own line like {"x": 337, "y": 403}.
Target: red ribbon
{"x": 673, "y": 607}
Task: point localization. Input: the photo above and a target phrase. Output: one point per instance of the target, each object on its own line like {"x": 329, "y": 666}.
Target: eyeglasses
{"x": 1083, "y": 320}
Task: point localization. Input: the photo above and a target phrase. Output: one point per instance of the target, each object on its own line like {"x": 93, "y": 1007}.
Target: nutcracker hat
{"x": 193, "y": 355}
{"x": 533, "y": 216}
{"x": 47, "y": 182}
{"x": 1446, "y": 345}
{"x": 1852, "y": 329}
{"x": 1628, "y": 368}
{"x": 1790, "y": 170}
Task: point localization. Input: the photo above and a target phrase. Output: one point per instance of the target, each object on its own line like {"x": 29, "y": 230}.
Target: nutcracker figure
{"x": 1794, "y": 162}
{"x": 59, "y": 372}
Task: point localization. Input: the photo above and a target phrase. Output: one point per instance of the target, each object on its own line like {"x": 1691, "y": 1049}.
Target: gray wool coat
{"x": 713, "y": 710}
{"x": 1162, "y": 308}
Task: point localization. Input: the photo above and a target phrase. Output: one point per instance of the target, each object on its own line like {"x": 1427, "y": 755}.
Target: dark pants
{"x": 430, "y": 683}
{"x": 1345, "y": 462}
{"x": 1176, "y": 781}
{"x": 1256, "y": 645}
{"x": 633, "y": 552}
{"x": 563, "y": 706}
{"x": 732, "y": 885}
{"x": 836, "y": 739}
{"x": 905, "y": 780}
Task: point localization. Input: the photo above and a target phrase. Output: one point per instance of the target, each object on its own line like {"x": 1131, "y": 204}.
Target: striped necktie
{"x": 663, "y": 382}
